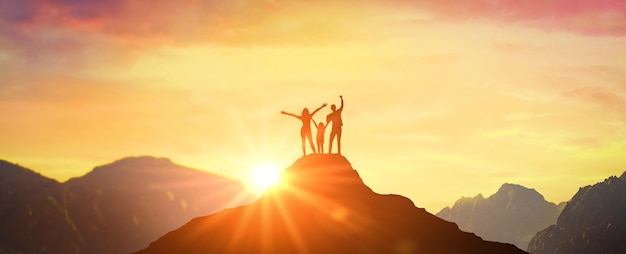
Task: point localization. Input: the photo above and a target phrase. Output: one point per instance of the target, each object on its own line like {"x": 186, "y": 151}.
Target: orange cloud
{"x": 598, "y": 96}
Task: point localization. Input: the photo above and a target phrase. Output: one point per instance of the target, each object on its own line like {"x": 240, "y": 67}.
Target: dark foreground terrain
{"x": 324, "y": 207}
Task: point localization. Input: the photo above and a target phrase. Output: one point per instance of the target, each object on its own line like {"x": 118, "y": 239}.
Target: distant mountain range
{"x": 594, "y": 221}
{"x": 323, "y": 207}
{"x": 514, "y": 214}
{"x": 115, "y": 208}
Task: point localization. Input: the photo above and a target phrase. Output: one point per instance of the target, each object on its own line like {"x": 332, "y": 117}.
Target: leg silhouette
{"x": 320, "y": 147}
{"x": 309, "y": 136}
{"x": 339, "y": 143}
{"x": 330, "y": 144}
{"x": 303, "y": 147}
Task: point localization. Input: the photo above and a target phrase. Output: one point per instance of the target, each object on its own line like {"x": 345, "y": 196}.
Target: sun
{"x": 266, "y": 176}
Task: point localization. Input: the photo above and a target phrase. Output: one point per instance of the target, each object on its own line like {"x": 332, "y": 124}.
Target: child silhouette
{"x": 321, "y": 128}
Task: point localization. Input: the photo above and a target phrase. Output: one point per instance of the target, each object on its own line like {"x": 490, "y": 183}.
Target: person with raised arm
{"x": 335, "y": 117}
{"x": 305, "y": 131}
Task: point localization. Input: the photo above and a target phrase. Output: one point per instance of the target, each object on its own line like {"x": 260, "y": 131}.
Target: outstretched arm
{"x": 290, "y": 114}
{"x": 318, "y": 109}
{"x": 341, "y": 108}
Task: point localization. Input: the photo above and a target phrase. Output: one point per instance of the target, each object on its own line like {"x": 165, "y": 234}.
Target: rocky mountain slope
{"x": 116, "y": 208}
{"x": 514, "y": 214}
{"x": 594, "y": 221}
{"x": 33, "y": 214}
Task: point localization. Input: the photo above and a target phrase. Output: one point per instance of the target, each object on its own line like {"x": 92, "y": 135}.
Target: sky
{"x": 442, "y": 99}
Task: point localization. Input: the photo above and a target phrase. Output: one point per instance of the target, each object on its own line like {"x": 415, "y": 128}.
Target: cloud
{"x": 175, "y": 22}
{"x": 76, "y": 33}
{"x": 587, "y": 142}
{"x": 604, "y": 75}
{"x": 524, "y": 116}
{"x": 44, "y": 31}
{"x": 17, "y": 11}
{"x": 598, "y": 96}
{"x": 592, "y": 17}
{"x": 186, "y": 21}
{"x": 517, "y": 47}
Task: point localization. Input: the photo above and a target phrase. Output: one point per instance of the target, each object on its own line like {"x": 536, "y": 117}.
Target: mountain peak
{"x": 323, "y": 206}
{"x": 116, "y": 208}
{"x": 144, "y": 160}
{"x": 516, "y": 191}
{"x": 328, "y": 174}
{"x": 511, "y": 187}
{"x": 131, "y": 169}
{"x": 14, "y": 172}
{"x": 504, "y": 216}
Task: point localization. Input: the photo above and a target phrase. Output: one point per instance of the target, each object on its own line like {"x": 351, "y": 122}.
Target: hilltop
{"x": 323, "y": 206}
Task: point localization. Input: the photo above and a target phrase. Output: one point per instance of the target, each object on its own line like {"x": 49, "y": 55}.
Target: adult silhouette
{"x": 335, "y": 117}
{"x": 305, "y": 131}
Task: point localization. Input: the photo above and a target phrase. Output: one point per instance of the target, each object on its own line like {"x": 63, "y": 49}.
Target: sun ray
{"x": 295, "y": 233}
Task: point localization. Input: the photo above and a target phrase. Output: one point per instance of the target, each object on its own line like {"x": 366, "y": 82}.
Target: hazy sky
{"x": 443, "y": 100}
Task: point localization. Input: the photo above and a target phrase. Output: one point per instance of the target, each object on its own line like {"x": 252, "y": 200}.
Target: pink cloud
{"x": 73, "y": 29}
{"x": 593, "y": 17}
{"x": 227, "y": 21}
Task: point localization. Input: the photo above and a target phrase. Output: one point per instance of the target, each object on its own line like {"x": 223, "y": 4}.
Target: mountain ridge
{"x": 114, "y": 208}
{"x": 592, "y": 222}
{"x": 29, "y": 200}
{"x": 513, "y": 214}
{"x": 323, "y": 206}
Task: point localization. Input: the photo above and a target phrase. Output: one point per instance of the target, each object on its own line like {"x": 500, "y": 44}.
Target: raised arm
{"x": 290, "y": 114}
{"x": 341, "y": 108}
{"x": 318, "y": 109}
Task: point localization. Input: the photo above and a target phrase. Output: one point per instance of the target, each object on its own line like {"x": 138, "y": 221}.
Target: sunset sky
{"x": 443, "y": 99}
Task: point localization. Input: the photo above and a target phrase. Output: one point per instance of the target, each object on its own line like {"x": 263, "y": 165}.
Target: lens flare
{"x": 266, "y": 176}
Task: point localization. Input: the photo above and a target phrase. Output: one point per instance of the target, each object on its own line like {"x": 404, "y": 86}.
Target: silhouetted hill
{"x": 144, "y": 197}
{"x": 514, "y": 214}
{"x": 594, "y": 221}
{"x": 323, "y": 207}
{"x": 33, "y": 218}
{"x": 116, "y": 208}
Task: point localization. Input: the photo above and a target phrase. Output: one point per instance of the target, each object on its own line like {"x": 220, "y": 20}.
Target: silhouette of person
{"x": 335, "y": 117}
{"x": 321, "y": 128}
{"x": 305, "y": 131}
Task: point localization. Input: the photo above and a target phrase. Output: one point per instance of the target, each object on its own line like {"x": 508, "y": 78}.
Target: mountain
{"x": 594, "y": 221}
{"x": 323, "y": 206}
{"x": 116, "y": 208}
{"x": 123, "y": 206}
{"x": 514, "y": 214}
{"x": 33, "y": 218}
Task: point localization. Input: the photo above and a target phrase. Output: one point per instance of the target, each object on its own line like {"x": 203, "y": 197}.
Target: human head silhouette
{"x": 305, "y": 111}
{"x": 332, "y": 107}
{"x": 320, "y": 124}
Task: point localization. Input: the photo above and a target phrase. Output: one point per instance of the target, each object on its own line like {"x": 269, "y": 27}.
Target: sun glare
{"x": 266, "y": 176}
